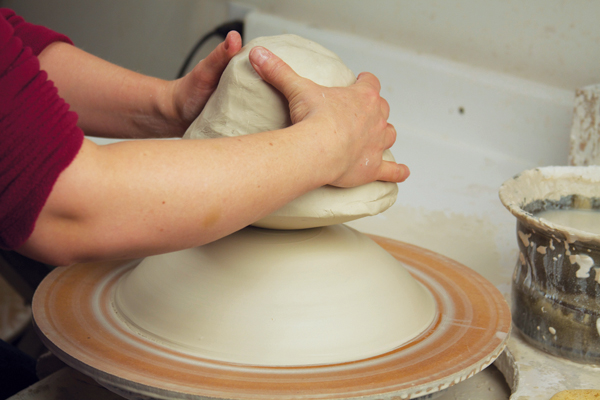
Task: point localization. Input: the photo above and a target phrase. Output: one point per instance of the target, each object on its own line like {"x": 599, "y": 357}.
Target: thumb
{"x": 275, "y": 71}
{"x": 389, "y": 171}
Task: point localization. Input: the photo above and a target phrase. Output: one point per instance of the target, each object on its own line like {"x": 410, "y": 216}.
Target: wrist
{"x": 166, "y": 112}
{"x": 322, "y": 147}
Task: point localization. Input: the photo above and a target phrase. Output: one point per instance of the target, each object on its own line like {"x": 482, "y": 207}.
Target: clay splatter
{"x": 541, "y": 249}
{"x": 585, "y": 263}
{"x": 524, "y": 238}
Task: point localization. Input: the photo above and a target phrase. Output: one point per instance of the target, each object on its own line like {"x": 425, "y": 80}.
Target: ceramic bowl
{"x": 556, "y": 282}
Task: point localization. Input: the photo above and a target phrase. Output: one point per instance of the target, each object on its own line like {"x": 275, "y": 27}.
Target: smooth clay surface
{"x": 278, "y": 298}
{"x": 244, "y": 104}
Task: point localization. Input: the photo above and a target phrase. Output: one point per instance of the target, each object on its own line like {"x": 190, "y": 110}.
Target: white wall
{"x": 149, "y": 36}
{"x": 556, "y": 42}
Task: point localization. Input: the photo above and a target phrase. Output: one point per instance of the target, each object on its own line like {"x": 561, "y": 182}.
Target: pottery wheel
{"x": 74, "y": 317}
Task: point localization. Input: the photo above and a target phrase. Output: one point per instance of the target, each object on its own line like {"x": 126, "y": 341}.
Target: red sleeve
{"x": 35, "y": 36}
{"x": 38, "y": 138}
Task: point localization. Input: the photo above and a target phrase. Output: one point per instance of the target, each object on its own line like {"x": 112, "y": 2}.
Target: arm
{"x": 134, "y": 199}
{"x": 115, "y": 102}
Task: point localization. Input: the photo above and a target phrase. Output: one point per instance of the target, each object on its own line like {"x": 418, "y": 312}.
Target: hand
{"x": 353, "y": 120}
{"x": 115, "y": 102}
{"x": 191, "y": 92}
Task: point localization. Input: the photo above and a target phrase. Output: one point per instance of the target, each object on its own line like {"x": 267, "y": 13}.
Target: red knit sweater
{"x": 39, "y": 136}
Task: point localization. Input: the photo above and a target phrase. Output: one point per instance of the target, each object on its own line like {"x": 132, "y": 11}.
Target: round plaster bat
{"x": 243, "y": 104}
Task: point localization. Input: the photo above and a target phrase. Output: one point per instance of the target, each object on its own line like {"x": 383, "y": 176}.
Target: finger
{"x": 370, "y": 79}
{"x": 389, "y": 171}
{"x": 385, "y": 106}
{"x": 275, "y": 71}
{"x": 214, "y": 64}
{"x": 226, "y": 49}
{"x": 390, "y": 136}
{"x": 233, "y": 42}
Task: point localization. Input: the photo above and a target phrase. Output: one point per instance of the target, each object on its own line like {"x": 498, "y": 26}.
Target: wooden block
{"x": 578, "y": 394}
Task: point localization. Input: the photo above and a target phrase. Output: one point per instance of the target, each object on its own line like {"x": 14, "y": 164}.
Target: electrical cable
{"x": 222, "y": 31}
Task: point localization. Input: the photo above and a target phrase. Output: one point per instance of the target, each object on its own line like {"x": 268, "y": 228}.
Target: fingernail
{"x": 260, "y": 55}
{"x": 406, "y": 173}
{"x": 226, "y": 44}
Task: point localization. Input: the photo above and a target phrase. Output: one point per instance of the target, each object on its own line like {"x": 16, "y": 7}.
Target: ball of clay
{"x": 243, "y": 104}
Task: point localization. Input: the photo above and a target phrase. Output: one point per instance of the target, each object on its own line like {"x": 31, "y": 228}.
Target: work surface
{"x": 68, "y": 384}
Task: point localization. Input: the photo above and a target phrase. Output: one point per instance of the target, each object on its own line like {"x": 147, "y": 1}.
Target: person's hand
{"x": 353, "y": 120}
{"x": 191, "y": 92}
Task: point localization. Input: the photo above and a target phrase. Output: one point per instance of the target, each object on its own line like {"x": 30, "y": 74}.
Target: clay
{"x": 244, "y": 104}
{"x": 278, "y": 298}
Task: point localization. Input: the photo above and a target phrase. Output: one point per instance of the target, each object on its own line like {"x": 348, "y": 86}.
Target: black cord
{"x": 222, "y": 31}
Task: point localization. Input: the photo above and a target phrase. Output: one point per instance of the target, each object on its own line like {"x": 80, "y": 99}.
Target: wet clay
{"x": 244, "y": 104}
{"x": 278, "y": 298}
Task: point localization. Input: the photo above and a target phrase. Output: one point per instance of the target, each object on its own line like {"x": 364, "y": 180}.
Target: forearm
{"x": 134, "y": 199}
{"x": 111, "y": 101}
